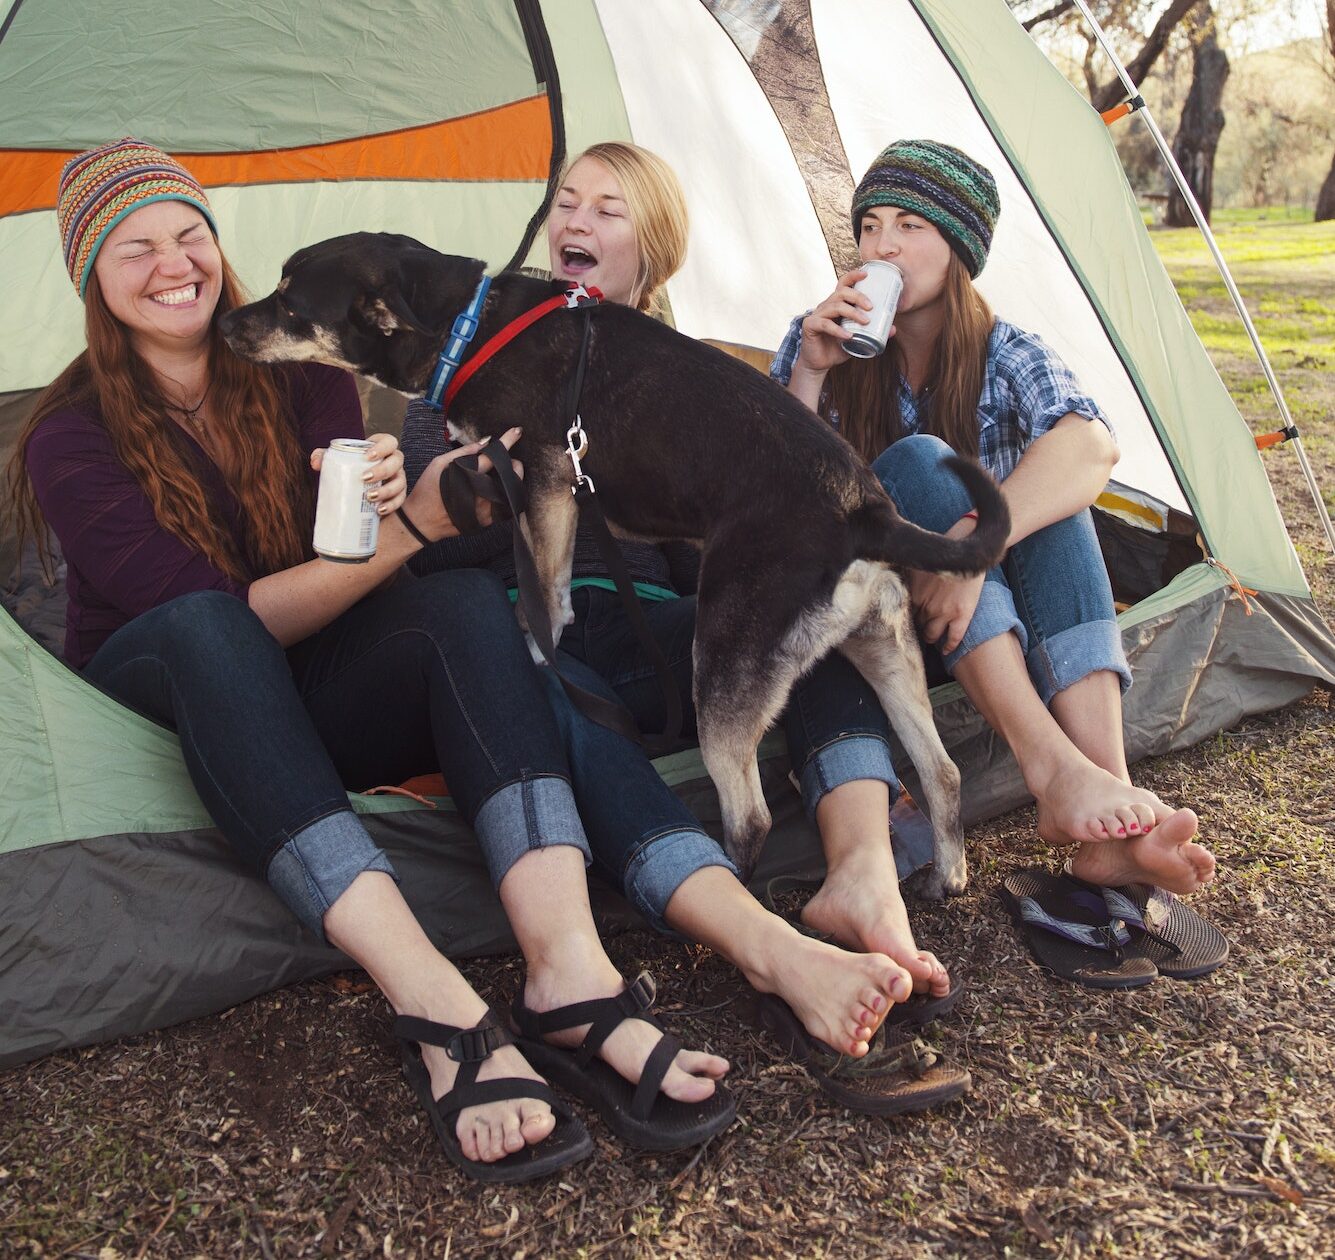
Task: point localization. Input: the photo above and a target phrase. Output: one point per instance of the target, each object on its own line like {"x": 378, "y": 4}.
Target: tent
{"x": 124, "y": 910}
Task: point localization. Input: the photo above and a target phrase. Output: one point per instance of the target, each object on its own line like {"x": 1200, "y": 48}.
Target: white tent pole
{"x": 1201, "y": 222}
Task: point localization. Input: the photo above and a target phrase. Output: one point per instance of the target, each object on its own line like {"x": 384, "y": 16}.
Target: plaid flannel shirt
{"x": 1026, "y": 390}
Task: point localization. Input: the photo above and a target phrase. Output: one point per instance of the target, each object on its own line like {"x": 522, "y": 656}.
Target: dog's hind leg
{"x": 748, "y": 655}
{"x": 886, "y": 653}
{"x": 551, "y": 519}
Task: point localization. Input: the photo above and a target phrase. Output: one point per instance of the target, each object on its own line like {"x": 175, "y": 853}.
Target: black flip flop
{"x": 640, "y": 1115}
{"x": 1181, "y": 944}
{"x": 1070, "y": 932}
{"x": 894, "y": 1077}
{"x": 568, "y": 1142}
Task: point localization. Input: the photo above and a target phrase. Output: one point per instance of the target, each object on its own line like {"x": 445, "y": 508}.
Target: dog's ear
{"x": 386, "y": 313}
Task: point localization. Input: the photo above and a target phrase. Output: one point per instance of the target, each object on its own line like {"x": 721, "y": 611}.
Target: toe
{"x": 687, "y": 1088}
{"x": 467, "y": 1135}
{"x": 538, "y": 1120}
{"x": 697, "y": 1063}
{"x": 511, "y": 1136}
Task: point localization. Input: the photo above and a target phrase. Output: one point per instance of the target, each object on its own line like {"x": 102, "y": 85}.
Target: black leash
{"x": 461, "y": 484}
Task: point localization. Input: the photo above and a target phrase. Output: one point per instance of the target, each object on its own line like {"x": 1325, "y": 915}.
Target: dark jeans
{"x": 644, "y": 839}
{"x": 428, "y": 674}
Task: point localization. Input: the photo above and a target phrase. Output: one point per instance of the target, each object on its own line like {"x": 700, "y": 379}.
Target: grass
{"x": 1179, "y": 1121}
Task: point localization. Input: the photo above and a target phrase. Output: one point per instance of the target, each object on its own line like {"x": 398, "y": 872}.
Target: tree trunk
{"x": 1198, "y": 132}
{"x": 1325, "y": 199}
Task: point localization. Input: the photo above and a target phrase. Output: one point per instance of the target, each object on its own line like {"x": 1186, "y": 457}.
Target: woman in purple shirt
{"x": 176, "y": 478}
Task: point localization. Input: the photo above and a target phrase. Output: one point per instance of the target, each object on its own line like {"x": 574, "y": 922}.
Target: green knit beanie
{"x": 947, "y": 187}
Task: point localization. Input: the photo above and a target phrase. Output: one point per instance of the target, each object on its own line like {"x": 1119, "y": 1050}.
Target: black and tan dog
{"x": 800, "y": 542}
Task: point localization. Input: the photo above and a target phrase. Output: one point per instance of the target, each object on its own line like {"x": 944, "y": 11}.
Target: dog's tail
{"x": 880, "y": 533}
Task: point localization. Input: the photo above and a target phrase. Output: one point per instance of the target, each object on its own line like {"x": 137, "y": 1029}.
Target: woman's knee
{"x": 213, "y": 625}
{"x": 918, "y": 456}
{"x": 924, "y": 490}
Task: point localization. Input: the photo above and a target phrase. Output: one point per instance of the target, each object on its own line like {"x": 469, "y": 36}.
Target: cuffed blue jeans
{"x": 644, "y": 840}
{"x": 429, "y": 674}
{"x": 1051, "y": 589}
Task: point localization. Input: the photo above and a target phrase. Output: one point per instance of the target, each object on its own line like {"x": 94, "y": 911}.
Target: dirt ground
{"x": 1182, "y": 1120}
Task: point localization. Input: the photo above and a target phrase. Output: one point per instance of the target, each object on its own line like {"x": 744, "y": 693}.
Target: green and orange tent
{"x": 123, "y": 908}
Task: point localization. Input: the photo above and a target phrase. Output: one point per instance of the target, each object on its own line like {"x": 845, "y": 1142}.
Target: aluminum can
{"x": 883, "y": 283}
{"x": 346, "y": 523}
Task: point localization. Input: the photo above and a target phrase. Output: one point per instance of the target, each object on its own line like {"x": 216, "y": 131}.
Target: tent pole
{"x": 1201, "y": 222}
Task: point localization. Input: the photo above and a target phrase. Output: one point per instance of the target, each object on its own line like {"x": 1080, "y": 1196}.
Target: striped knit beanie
{"x": 100, "y": 187}
{"x": 947, "y": 187}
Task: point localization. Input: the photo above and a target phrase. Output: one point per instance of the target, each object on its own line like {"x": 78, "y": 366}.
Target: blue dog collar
{"x": 456, "y": 346}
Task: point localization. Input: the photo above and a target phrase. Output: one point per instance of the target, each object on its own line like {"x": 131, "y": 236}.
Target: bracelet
{"x": 970, "y": 515}
{"x": 412, "y": 529}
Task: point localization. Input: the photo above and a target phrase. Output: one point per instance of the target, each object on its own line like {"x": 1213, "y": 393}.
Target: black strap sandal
{"x": 1070, "y": 931}
{"x": 896, "y": 1075}
{"x": 567, "y": 1143}
{"x": 640, "y": 1114}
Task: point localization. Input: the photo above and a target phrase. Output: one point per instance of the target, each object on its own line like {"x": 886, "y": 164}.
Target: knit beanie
{"x": 100, "y": 187}
{"x": 948, "y": 188}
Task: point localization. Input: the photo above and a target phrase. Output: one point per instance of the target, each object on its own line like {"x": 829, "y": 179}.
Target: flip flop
{"x": 567, "y": 1143}
{"x": 895, "y": 1076}
{"x": 1181, "y": 944}
{"x": 1070, "y": 931}
{"x": 640, "y": 1114}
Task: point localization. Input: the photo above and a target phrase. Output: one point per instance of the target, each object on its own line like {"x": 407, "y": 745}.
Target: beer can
{"x": 346, "y": 523}
{"x": 883, "y": 283}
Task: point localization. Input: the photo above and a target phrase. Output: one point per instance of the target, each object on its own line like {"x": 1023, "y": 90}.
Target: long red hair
{"x": 253, "y": 435}
{"x": 865, "y": 392}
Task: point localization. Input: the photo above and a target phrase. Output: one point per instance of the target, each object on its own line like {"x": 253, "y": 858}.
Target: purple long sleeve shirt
{"x": 120, "y": 561}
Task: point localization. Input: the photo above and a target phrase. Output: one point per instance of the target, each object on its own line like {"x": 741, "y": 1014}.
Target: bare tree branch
{"x": 1056, "y": 11}
{"x": 1139, "y": 66}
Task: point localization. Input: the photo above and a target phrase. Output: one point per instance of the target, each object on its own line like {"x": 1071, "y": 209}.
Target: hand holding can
{"x": 883, "y": 284}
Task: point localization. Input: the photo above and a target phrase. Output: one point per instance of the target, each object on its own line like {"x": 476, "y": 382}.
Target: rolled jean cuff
{"x": 662, "y": 864}
{"x": 844, "y": 760}
{"x": 533, "y": 813}
{"x": 1066, "y": 658}
{"x": 994, "y": 616}
{"x": 316, "y": 866}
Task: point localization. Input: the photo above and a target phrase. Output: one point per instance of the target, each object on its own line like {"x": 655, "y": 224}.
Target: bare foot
{"x": 1082, "y": 801}
{"x": 841, "y": 998}
{"x": 1166, "y": 857}
{"x": 493, "y": 1130}
{"x": 692, "y": 1075}
{"x": 860, "y": 905}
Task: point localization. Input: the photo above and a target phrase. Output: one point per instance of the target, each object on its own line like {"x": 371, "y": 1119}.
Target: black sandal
{"x": 567, "y": 1143}
{"x": 638, "y": 1114}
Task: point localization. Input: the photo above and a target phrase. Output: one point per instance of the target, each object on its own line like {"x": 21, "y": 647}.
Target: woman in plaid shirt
{"x": 1034, "y": 642}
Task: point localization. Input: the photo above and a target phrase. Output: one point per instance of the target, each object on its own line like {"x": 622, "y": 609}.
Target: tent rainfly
{"x": 445, "y": 121}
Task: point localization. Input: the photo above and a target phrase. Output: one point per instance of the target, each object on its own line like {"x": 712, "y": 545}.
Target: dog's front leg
{"x": 550, "y": 523}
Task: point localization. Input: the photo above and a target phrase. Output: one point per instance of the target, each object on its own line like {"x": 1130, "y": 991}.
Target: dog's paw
{"x": 534, "y": 650}
{"x": 940, "y": 883}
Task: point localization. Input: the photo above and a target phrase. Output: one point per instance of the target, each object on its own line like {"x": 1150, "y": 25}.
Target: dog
{"x": 800, "y": 543}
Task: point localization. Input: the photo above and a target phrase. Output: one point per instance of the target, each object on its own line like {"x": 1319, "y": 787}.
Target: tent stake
{"x": 1201, "y": 222}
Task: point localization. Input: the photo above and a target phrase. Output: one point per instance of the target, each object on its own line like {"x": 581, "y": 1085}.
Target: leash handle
{"x": 591, "y": 510}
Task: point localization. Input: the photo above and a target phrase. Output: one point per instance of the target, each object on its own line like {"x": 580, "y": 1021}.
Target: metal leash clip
{"x": 577, "y": 446}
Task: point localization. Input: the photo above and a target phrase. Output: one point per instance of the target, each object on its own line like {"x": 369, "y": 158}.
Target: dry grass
{"x": 1181, "y": 1120}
